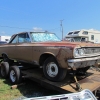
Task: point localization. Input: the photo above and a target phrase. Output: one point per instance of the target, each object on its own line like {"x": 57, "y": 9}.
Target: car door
{"x": 11, "y": 47}
{"x": 23, "y": 47}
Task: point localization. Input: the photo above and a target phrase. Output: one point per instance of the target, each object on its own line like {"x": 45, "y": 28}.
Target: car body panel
{"x": 32, "y": 51}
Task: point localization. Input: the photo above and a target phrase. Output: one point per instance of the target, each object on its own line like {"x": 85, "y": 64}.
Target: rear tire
{"x": 4, "y": 70}
{"x": 15, "y": 75}
{"x": 52, "y": 71}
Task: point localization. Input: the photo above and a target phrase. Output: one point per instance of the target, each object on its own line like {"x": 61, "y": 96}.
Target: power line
{"x": 26, "y": 28}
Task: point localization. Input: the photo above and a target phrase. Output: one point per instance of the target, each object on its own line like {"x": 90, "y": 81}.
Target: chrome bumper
{"x": 83, "y": 62}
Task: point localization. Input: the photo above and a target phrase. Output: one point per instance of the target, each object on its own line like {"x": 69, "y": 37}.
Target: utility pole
{"x": 61, "y": 28}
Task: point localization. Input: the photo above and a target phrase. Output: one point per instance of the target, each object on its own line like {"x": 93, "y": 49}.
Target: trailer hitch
{"x": 78, "y": 86}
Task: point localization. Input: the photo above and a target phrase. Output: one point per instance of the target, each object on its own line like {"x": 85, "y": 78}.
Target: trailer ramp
{"x": 91, "y": 81}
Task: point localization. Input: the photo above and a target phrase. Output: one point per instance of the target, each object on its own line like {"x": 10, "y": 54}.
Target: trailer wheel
{"x": 15, "y": 75}
{"x": 52, "y": 71}
{"x": 4, "y": 70}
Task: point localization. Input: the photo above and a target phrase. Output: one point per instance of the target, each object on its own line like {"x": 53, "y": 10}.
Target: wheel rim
{"x": 3, "y": 71}
{"x": 12, "y": 76}
{"x": 52, "y": 69}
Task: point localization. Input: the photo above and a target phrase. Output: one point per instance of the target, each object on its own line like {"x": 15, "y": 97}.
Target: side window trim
{"x": 20, "y": 36}
{"x": 13, "y": 38}
{"x": 28, "y": 38}
{"x": 25, "y": 38}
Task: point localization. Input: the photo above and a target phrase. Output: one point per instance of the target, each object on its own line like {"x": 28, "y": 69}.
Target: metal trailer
{"x": 91, "y": 81}
{"x": 72, "y": 83}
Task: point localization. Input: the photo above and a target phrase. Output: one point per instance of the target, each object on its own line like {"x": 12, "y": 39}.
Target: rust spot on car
{"x": 62, "y": 57}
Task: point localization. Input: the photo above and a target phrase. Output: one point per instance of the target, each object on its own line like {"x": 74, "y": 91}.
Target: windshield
{"x": 43, "y": 37}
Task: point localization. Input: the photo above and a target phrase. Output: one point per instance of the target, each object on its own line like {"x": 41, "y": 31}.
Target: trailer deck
{"x": 91, "y": 81}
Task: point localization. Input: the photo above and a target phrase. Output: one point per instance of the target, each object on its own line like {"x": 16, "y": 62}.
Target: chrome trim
{"x": 85, "y": 55}
{"x": 83, "y": 59}
{"x": 83, "y": 62}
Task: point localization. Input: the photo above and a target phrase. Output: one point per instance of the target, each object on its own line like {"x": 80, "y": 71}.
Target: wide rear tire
{"x": 53, "y": 71}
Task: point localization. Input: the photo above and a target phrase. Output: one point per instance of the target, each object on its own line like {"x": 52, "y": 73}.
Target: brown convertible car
{"x": 48, "y": 51}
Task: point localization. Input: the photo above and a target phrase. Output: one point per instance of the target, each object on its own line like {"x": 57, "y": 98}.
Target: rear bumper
{"x": 83, "y": 62}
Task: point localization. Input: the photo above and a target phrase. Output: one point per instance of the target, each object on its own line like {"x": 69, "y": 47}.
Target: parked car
{"x": 48, "y": 51}
{"x": 3, "y": 42}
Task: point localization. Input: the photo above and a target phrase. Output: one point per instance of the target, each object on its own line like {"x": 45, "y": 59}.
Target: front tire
{"x": 4, "y": 70}
{"x": 15, "y": 75}
{"x": 52, "y": 71}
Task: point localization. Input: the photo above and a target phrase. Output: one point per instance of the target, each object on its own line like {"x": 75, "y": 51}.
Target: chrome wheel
{"x": 12, "y": 76}
{"x": 52, "y": 69}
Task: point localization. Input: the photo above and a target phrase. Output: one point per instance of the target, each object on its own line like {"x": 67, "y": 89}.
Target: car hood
{"x": 68, "y": 44}
{"x": 86, "y": 44}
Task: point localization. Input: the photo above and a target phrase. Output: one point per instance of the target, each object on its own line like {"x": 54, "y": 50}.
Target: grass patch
{"x": 6, "y": 93}
{"x": 30, "y": 89}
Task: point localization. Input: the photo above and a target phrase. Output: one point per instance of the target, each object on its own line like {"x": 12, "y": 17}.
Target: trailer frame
{"x": 91, "y": 81}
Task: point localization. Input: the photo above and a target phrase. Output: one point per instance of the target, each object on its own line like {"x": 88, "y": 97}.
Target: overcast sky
{"x": 28, "y": 15}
